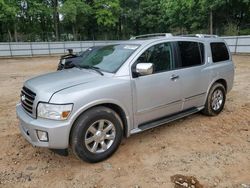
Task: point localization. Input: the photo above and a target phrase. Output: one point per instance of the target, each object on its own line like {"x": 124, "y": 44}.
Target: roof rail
{"x": 206, "y": 36}
{"x": 151, "y": 35}
{"x": 201, "y": 36}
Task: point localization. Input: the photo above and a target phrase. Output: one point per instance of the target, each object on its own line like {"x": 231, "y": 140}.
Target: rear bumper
{"x": 58, "y": 131}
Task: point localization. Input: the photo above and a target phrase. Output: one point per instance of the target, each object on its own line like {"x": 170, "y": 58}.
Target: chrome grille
{"x": 27, "y": 99}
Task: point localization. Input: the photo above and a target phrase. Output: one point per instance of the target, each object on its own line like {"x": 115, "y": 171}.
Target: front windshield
{"x": 107, "y": 58}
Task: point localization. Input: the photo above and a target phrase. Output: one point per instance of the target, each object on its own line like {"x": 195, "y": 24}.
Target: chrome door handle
{"x": 174, "y": 77}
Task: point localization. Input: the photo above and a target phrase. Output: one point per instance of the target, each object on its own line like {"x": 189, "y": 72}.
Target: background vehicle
{"x": 71, "y": 60}
{"x": 122, "y": 89}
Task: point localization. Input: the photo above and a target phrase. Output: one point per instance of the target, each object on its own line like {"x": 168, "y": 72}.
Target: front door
{"x": 156, "y": 95}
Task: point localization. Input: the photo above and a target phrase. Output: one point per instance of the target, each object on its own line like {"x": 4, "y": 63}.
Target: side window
{"x": 191, "y": 53}
{"x": 219, "y": 52}
{"x": 160, "y": 55}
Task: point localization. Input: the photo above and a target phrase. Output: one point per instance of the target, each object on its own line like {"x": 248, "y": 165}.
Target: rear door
{"x": 193, "y": 73}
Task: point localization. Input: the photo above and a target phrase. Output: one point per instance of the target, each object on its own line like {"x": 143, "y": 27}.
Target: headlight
{"x": 54, "y": 111}
{"x": 63, "y": 61}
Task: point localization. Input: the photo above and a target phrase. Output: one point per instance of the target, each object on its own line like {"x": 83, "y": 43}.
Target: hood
{"x": 47, "y": 84}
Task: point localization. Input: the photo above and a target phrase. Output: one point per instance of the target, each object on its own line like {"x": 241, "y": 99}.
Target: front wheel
{"x": 96, "y": 134}
{"x": 215, "y": 100}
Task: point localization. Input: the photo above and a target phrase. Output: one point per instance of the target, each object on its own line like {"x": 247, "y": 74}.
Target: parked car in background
{"x": 71, "y": 60}
{"x": 123, "y": 89}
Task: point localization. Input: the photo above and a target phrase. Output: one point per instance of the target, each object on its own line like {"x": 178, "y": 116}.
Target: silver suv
{"x": 123, "y": 89}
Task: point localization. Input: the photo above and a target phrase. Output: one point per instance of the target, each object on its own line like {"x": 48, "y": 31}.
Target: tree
{"x": 43, "y": 20}
{"x": 107, "y": 14}
{"x": 151, "y": 17}
{"x": 210, "y": 7}
{"x": 177, "y": 14}
{"x": 74, "y": 13}
{"x": 130, "y": 18}
{"x": 236, "y": 15}
{"x": 8, "y": 14}
{"x": 35, "y": 19}
{"x": 55, "y": 18}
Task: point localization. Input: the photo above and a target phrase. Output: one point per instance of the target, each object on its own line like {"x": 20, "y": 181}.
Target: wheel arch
{"x": 116, "y": 107}
{"x": 121, "y": 114}
{"x": 207, "y": 105}
{"x": 223, "y": 82}
{"x": 218, "y": 80}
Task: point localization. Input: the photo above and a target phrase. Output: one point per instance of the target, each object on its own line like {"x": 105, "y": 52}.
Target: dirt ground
{"x": 215, "y": 150}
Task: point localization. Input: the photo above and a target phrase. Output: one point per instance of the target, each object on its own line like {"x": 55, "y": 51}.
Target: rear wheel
{"x": 96, "y": 134}
{"x": 215, "y": 100}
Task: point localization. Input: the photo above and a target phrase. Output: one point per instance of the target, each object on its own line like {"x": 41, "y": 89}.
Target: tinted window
{"x": 160, "y": 55}
{"x": 192, "y": 53}
{"x": 219, "y": 52}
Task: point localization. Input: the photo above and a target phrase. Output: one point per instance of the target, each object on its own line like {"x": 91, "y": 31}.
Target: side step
{"x": 166, "y": 119}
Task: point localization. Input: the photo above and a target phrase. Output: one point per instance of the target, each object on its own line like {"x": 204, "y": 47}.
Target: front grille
{"x": 27, "y": 99}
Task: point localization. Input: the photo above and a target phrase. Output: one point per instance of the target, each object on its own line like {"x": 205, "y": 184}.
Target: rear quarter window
{"x": 191, "y": 53}
{"x": 219, "y": 51}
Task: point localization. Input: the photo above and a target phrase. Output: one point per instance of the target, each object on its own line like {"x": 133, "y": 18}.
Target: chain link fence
{"x": 237, "y": 44}
{"x": 16, "y": 49}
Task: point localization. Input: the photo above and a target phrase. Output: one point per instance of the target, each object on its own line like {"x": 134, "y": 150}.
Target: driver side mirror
{"x": 143, "y": 69}
{"x": 69, "y": 65}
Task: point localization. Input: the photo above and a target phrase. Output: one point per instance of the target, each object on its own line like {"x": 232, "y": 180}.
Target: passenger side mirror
{"x": 143, "y": 69}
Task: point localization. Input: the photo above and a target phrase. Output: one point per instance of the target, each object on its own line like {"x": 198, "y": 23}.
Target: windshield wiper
{"x": 92, "y": 68}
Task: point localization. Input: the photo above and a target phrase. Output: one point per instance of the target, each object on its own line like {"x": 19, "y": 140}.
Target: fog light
{"x": 42, "y": 136}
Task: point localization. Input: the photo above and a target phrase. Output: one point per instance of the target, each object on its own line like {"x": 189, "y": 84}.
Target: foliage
{"x": 107, "y": 12}
{"x": 231, "y": 29}
{"x": 74, "y": 11}
{"x": 38, "y": 20}
{"x": 7, "y": 11}
{"x": 151, "y": 12}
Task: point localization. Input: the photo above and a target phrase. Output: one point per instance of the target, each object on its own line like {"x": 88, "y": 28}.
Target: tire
{"x": 213, "y": 108}
{"x": 59, "y": 67}
{"x": 96, "y": 134}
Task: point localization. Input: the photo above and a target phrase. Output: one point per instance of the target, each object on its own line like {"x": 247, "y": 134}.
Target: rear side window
{"x": 219, "y": 52}
{"x": 192, "y": 53}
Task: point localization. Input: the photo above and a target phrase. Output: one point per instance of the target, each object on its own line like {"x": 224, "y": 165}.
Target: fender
{"x": 100, "y": 102}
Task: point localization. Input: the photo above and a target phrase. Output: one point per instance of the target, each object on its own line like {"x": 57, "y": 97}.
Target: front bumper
{"x": 58, "y": 131}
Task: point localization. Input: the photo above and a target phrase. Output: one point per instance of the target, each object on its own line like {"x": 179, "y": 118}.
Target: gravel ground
{"x": 215, "y": 151}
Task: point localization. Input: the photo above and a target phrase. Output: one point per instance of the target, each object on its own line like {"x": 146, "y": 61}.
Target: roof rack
{"x": 201, "y": 36}
{"x": 151, "y": 36}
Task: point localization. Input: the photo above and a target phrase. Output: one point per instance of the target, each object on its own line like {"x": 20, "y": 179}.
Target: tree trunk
{"x": 56, "y": 18}
{"x": 15, "y": 33}
{"x": 120, "y": 28}
{"x": 105, "y": 31}
{"x": 74, "y": 31}
{"x": 10, "y": 36}
{"x": 211, "y": 22}
{"x": 43, "y": 26}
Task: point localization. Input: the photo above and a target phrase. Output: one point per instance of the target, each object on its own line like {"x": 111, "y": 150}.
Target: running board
{"x": 167, "y": 119}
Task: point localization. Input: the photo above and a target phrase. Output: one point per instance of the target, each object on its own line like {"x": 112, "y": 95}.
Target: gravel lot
{"x": 215, "y": 150}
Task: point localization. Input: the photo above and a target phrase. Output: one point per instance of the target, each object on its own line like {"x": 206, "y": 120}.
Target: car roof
{"x": 149, "y": 40}
{"x": 167, "y": 38}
